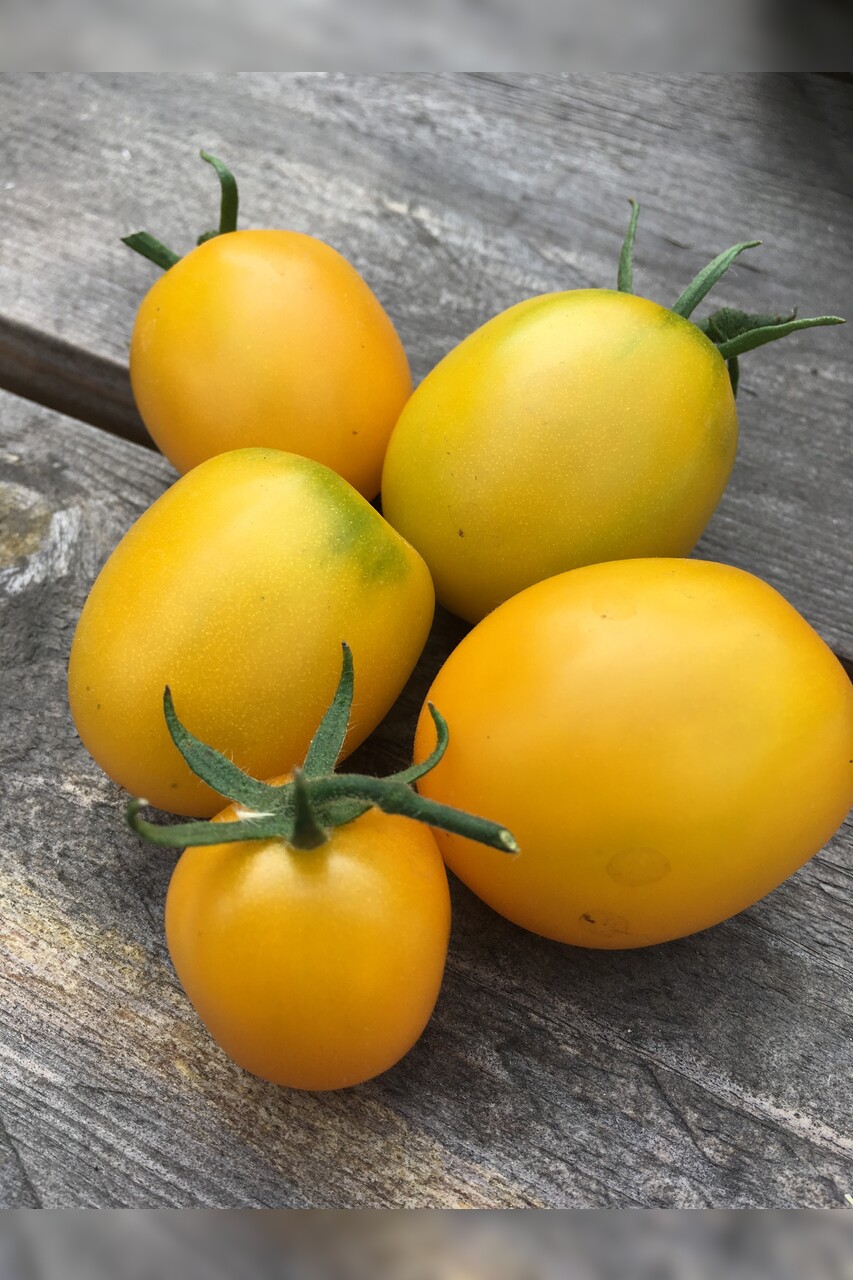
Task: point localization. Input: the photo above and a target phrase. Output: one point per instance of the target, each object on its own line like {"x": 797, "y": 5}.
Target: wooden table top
{"x": 710, "y": 1071}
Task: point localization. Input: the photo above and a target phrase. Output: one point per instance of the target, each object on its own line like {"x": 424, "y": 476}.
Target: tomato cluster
{"x": 655, "y": 741}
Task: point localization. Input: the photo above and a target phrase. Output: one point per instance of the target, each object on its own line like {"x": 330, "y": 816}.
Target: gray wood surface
{"x": 712, "y": 1071}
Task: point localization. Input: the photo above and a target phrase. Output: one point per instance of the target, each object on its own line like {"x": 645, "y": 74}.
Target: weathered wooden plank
{"x": 458, "y": 195}
{"x": 455, "y": 194}
{"x": 713, "y": 1071}
{"x": 72, "y": 379}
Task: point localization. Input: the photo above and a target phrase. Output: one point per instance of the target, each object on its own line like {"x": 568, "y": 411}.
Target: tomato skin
{"x": 316, "y": 969}
{"x": 269, "y": 338}
{"x": 668, "y": 740}
{"x": 571, "y": 429}
{"x": 236, "y": 588}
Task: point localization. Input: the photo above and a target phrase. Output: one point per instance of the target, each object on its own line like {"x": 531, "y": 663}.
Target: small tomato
{"x": 573, "y": 428}
{"x": 315, "y": 968}
{"x": 668, "y": 740}
{"x": 236, "y": 588}
{"x": 267, "y": 338}
{"x": 309, "y": 921}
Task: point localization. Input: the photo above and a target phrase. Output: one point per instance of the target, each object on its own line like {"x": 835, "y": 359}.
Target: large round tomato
{"x": 313, "y": 968}
{"x": 269, "y": 338}
{"x": 573, "y": 428}
{"x": 668, "y": 740}
{"x": 236, "y": 589}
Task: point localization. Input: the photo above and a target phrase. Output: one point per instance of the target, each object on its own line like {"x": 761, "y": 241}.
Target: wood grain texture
{"x": 712, "y": 1071}
{"x": 457, "y": 196}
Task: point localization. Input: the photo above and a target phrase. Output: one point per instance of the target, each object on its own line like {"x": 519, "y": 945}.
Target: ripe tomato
{"x": 236, "y": 589}
{"x": 319, "y": 968}
{"x": 269, "y": 338}
{"x": 573, "y": 428}
{"x": 667, "y": 739}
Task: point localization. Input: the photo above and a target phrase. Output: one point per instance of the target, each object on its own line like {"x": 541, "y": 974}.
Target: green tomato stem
{"x": 733, "y": 332}
{"x": 626, "y": 257}
{"x": 328, "y": 741}
{"x": 220, "y": 773}
{"x": 143, "y": 243}
{"x": 704, "y": 282}
{"x": 728, "y": 322}
{"x": 442, "y": 737}
{"x": 183, "y": 835}
{"x": 395, "y": 797}
{"x": 304, "y": 811}
{"x": 306, "y": 832}
{"x": 230, "y": 198}
{"x": 734, "y": 374}
{"x": 753, "y": 338}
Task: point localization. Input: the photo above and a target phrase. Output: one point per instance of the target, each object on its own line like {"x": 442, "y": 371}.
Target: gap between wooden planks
{"x": 73, "y": 380}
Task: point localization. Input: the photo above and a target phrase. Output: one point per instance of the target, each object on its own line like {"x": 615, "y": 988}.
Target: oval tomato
{"x": 318, "y": 968}
{"x": 269, "y": 338}
{"x": 573, "y": 428}
{"x": 667, "y": 739}
{"x": 236, "y": 589}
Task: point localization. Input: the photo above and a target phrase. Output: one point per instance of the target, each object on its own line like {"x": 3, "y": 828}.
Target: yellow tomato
{"x": 236, "y": 589}
{"x": 269, "y": 338}
{"x": 573, "y": 428}
{"x": 318, "y": 968}
{"x": 668, "y": 740}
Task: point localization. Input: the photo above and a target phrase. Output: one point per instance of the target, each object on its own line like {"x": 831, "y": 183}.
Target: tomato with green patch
{"x": 574, "y": 428}
{"x": 236, "y": 588}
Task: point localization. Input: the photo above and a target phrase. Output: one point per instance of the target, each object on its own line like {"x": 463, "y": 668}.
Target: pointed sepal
{"x": 304, "y": 811}
{"x": 220, "y": 773}
{"x": 759, "y": 337}
{"x": 625, "y": 282}
{"x": 230, "y": 200}
{"x": 154, "y": 250}
{"x": 704, "y": 282}
{"x": 442, "y": 737}
{"x": 182, "y": 835}
{"x": 328, "y": 741}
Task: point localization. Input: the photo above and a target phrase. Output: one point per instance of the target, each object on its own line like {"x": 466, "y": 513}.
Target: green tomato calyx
{"x": 732, "y": 332}
{"x": 304, "y": 811}
{"x": 155, "y": 251}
